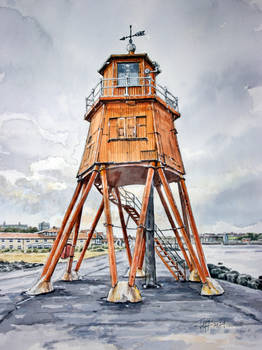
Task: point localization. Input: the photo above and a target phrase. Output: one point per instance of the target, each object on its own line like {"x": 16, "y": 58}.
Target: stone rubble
{"x": 224, "y": 273}
{"x": 6, "y": 266}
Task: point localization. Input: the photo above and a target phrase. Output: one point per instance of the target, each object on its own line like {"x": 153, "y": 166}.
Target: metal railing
{"x": 128, "y": 198}
{"x": 168, "y": 246}
{"x": 130, "y": 87}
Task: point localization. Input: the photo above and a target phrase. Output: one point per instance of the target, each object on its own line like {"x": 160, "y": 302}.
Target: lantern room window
{"x": 128, "y": 74}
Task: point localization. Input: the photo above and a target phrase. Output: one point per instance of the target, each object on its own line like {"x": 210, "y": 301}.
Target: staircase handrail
{"x": 129, "y": 196}
{"x": 166, "y": 243}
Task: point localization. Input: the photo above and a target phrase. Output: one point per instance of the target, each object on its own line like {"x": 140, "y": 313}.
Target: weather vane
{"x": 131, "y": 47}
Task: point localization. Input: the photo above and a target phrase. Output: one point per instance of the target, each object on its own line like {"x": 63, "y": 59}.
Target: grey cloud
{"x": 23, "y": 42}
{"x": 22, "y": 144}
{"x": 25, "y": 55}
{"x": 227, "y": 154}
{"x": 239, "y": 205}
{"x": 32, "y": 198}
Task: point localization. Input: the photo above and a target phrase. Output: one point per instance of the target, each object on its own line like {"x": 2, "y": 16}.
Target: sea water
{"x": 242, "y": 258}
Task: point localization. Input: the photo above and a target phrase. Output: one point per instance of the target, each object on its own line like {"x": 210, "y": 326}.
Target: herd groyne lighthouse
{"x": 132, "y": 140}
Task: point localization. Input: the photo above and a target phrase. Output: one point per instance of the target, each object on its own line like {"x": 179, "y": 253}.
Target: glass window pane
{"x": 121, "y": 127}
{"x": 128, "y": 74}
{"x": 131, "y": 127}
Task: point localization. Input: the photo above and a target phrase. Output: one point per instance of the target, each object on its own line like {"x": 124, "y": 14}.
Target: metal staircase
{"x": 167, "y": 253}
{"x": 163, "y": 247}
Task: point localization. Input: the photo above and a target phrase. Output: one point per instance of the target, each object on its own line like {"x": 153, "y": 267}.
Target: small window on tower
{"x": 131, "y": 127}
{"x": 127, "y": 128}
{"x": 121, "y": 127}
{"x": 128, "y": 74}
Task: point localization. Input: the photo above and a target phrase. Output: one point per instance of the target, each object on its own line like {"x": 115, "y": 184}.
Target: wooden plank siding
{"x": 128, "y": 131}
{"x": 92, "y": 144}
{"x": 169, "y": 149}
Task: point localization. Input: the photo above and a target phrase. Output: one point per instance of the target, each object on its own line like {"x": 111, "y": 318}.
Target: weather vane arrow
{"x": 131, "y": 47}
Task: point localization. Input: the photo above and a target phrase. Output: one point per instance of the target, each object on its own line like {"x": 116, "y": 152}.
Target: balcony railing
{"x": 130, "y": 87}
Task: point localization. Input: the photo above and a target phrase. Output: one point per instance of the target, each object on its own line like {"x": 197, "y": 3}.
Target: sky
{"x": 210, "y": 54}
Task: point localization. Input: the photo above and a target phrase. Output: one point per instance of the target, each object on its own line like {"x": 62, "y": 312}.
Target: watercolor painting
{"x": 130, "y": 171}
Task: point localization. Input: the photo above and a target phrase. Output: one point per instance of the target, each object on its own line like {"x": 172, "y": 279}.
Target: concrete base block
{"x": 211, "y": 287}
{"x": 70, "y": 276}
{"x": 194, "y": 276}
{"x": 42, "y": 287}
{"x": 140, "y": 273}
{"x": 122, "y": 293}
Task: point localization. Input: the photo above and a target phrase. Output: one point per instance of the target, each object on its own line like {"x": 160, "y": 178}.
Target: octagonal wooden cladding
{"x": 132, "y": 133}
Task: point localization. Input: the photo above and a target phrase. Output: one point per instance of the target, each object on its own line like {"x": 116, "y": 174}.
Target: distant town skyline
{"x": 210, "y": 54}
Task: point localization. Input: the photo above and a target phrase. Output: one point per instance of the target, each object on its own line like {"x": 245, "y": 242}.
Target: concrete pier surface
{"x": 77, "y": 316}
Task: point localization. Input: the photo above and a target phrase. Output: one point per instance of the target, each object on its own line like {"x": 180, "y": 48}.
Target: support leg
{"x": 183, "y": 207}
{"x": 141, "y": 226}
{"x": 90, "y": 235}
{"x": 44, "y": 285}
{"x": 180, "y": 223}
{"x": 140, "y": 273}
{"x": 127, "y": 291}
{"x": 194, "y": 277}
{"x": 122, "y": 220}
{"x": 150, "y": 261}
{"x": 68, "y": 275}
{"x": 211, "y": 287}
{"x": 172, "y": 223}
{"x": 109, "y": 230}
{"x": 64, "y": 222}
{"x": 194, "y": 229}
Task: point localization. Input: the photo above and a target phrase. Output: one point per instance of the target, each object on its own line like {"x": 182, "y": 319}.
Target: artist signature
{"x": 206, "y": 325}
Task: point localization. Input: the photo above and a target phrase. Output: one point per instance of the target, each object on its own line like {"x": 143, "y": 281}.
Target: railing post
{"x": 126, "y": 92}
{"x": 101, "y": 88}
{"x": 176, "y": 106}
{"x": 150, "y": 86}
{"x": 165, "y": 94}
{"x": 93, "y": 95}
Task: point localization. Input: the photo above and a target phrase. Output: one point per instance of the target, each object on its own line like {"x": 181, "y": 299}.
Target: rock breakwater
{"x": 6, "y": 266}
{"x": 224, "y": 273}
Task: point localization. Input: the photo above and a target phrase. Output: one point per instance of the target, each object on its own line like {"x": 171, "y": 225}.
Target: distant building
{"x": 24, "y": 241}
{"x": 43, "y": 239}
{"x": 98, "y": 238}
{"x": 211, "y": 238}
{"x": 18, "y": 226}
{"x": 51, "y": 232}
{"x": 43, "y": 226}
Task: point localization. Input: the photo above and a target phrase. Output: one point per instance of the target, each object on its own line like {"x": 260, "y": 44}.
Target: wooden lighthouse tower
{"x": 131, "y": 140}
